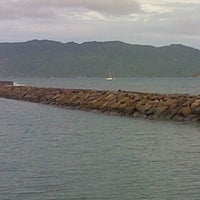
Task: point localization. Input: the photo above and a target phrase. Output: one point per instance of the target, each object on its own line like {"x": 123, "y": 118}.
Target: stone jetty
{"x": 179, "y": 107}
{"x": 6, "y": 83}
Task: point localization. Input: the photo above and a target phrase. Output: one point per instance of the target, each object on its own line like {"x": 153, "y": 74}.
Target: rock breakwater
{"x": 179, "y": 107}
{"x": 6, "y": 83}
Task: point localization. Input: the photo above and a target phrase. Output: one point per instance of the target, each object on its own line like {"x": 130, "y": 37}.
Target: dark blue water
{"x": 54, "y": 153}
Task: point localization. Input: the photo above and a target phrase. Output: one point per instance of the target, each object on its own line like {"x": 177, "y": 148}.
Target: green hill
{"x": 94, "y": 59}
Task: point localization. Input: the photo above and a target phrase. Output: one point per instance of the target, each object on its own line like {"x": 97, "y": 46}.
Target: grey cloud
{"x": 185, "y": 19}
{"x": 16, "y": 9}
{"x": 116, "y": 7}
{"x": 67, "y": 20}
{"x": 50, "y": 8}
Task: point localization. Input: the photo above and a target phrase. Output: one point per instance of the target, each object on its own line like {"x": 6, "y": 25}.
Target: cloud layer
{"x": 47, "y": 8}
{"x": 145, "y": 21}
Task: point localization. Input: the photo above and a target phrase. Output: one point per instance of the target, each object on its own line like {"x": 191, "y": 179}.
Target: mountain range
{"x": 46, "y": 58}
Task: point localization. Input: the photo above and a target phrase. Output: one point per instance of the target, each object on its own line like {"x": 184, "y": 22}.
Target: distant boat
{"x": 110, "y": 77}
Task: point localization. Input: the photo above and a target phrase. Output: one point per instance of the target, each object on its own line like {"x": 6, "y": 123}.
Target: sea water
{"x": 55, "y": 153}
{"x": 159, "y": 85}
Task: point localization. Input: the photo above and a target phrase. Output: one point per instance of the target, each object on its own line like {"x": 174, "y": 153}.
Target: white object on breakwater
{"x": 17, "y": 84}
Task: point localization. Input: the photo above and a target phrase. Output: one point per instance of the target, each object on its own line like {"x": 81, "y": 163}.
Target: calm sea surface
{"x": 49, "y": 153}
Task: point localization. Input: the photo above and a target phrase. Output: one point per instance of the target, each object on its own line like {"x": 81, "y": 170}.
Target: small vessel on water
{"x": 110, "y": 77}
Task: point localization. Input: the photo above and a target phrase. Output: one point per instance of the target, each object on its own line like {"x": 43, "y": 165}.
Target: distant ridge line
{"x": 47, "y": 58}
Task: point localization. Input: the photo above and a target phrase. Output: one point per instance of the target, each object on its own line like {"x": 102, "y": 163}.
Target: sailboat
{"x": 110, "y": 77}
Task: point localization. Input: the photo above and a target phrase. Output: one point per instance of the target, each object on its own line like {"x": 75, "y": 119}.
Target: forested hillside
{"x": 95, "y": 59}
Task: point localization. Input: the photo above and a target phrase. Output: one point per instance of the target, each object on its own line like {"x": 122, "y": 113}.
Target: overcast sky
{"x": 154, "y": 22}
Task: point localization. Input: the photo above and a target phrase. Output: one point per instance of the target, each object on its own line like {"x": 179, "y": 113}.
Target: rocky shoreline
{"x": 179, "y": 107}
{"x": 6, "y": 83}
